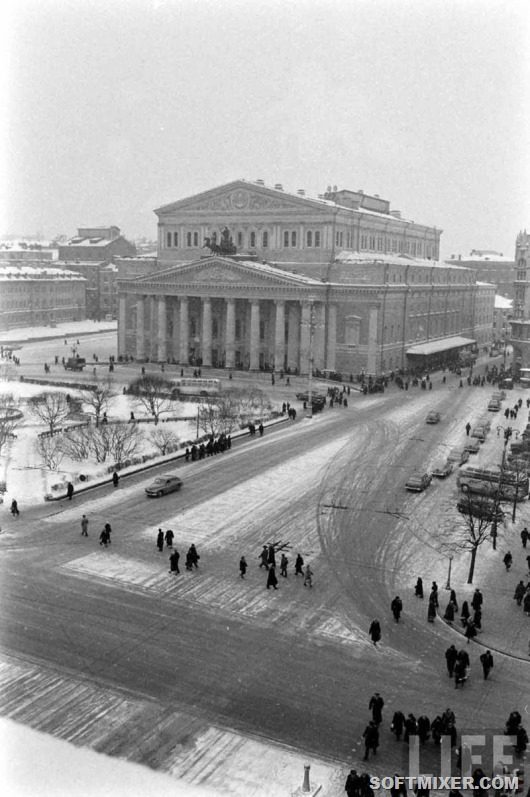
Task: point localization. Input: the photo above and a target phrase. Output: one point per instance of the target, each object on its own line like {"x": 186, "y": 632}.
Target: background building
{"x": 40, "y": 296}
{"x": 491, "y": 267}
{"x": 96, "y": 243}
{"x": 520, "y": 326}
{"x": 275, "y": 225}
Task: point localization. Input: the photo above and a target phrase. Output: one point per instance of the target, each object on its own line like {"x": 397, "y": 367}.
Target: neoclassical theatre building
{"x": 286, "y": 280}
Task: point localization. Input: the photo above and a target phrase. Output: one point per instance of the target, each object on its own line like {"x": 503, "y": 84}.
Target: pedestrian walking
{"x": 470, "y": 632}
{"x": 376, "y": 707}
{"x": 371, "y": 739}
{"x": 519, "y": 593}
{"x": 308, "y": 577}
{"x": 433, "y": 598}
{"x": 115, "y": 478}
{"x": 449, "y": 615}
{"x": 261, "y": 430}
{"x": 160, "y": 540}
{"x": 411, "y": 727}
{"x": 460, "y": 673}
{"x": 451, "y": 655}
{"x": 526, "y": 603}
{"x": 84, "y": 526}
{"x": 527, "y": 561}
{"x": 477, "y": 619}
{"x": 169, "y": 536}
{"x": 174, "y": 561}
{"x": 283, "y": 565}
{"x": 508, "y": 558}
{"x": 353, "y": 784}
{"x": 264, "y": 557}
{"x": 375, "y": 632}
{"x": 298, "y": 565}
{"x": 452, "y": 599}
{"x": 418, "y": 589}
{"x": 242, "y": 567}
{"x": 189, "y": 560}
{"x": 104, "y": 537}
{"x": 431, "y": 611}
{"x": 271, "y": 556}
{"x": 272, "y": 581}
{"x": 424, "y": 727}
{"x": 397, "y": 607}
{"x": 477, "y": 600}
{"x": 464, "y": 617}
{"x": 194, "y": 556}
{"x": 69, "y": 490}
{"x": 525, "y": 534}
{"x": 487, "y": 663}
{"x": 14, "y": 508}
{"x": 398, "y": 723}
{"x": 468, "y": 428}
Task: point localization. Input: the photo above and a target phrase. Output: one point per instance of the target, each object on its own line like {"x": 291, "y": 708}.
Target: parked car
{"x": 473, "y": 446}
{"x": 494, "y": 406}
{"x": 433, "y": 417}
{"x": 443, "y": 470}
{"x": 479, "y": 432}
{"x": 498, "y": 394}
{"x": 458, "y": 455}
{"x": 483, "y": 509}
{"x": 418, "y": 482}
{"x": 163, "y": 485}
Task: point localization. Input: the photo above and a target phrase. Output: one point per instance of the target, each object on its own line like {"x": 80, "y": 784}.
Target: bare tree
{"x": 51, "y": 450}
{"x": 10, "y": 417}
{"x": 98, "y": 398}
{"x": 153, "y": 393}
{"x": 116, "y": 440}
{"x": 163, "y": 439}
{"x": 77, "y": 443}
{"x": 50, "y": 408}
{"x": 124, "y": 440}
{"x": 471, "y": 528}
{"x": 221, "y": 413}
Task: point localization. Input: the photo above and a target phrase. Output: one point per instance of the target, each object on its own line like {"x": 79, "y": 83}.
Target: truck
{"x": 75, "y": 364}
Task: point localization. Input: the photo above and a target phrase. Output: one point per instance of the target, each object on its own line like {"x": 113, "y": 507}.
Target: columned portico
{"x": 162, "y": 330}
{"x": 184, "y": 330}
{"x": 279, "y": 336}
{"x": 230, "y": 333}
{"x": 305, "y": 338}
{"x": 254, "y": 335}
{"x": 206, "y": 349}
{"x": 140, "y": 328}
{"x": 122, "y": 325}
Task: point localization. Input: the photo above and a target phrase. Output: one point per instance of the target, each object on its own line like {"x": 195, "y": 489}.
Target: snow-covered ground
{"x": 67, "y": 328}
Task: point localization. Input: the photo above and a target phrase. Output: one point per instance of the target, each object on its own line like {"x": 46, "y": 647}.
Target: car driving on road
{"x": 433, "y": 417}
{"x": 443, "y": 470}
{"x": 458, "y": 455}
{"x": 163, "y": 485}
{"x": 418, "y": 482}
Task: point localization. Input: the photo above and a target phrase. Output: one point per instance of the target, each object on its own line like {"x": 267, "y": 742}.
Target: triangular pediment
{"x": 241, "y": 196}
{"x": 222, "y": 271}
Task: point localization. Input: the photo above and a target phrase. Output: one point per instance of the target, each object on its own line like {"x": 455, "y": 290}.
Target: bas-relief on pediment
{"x": 214, "y": 274}
{"x": 239, "y": 200}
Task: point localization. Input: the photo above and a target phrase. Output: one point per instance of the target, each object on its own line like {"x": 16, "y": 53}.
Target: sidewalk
{"x": 66, "y": 329}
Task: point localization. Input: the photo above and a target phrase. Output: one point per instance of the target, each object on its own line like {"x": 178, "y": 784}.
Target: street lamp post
{"x": 448, "y": 585}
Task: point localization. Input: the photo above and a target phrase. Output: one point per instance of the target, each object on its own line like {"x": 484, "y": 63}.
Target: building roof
{"x": 502, "y": 303}
{"x": 92, "y": 242}
{"x": 435, "y": 346}
{"x": 13, "y": 273}
{"x": 483, "y": 257}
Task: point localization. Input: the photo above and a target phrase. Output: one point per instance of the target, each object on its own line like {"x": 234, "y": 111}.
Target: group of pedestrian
{"x": 192, "y": 555}
{"x": 104, "y": 537}
{"x": 371, "y": 732}
{"x": 358, "y": 785}
{"x": 215, "y": 445}
{"x": 267, "y": 559}
{"x": 522, "y": 596}
{"x": 515, "y": 728}
{"x": 442, "y": 725}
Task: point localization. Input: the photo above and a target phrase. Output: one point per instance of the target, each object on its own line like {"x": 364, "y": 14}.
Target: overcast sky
{"x": 116, "y": 108}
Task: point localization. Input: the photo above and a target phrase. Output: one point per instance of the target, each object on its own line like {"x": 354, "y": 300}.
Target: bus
{"x": 194, "y": 386}
{"x": 524, "y": 377}
{"x": 509, "y": 485}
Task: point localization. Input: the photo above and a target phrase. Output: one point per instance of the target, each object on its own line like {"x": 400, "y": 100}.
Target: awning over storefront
{"x": 437, "y": 346}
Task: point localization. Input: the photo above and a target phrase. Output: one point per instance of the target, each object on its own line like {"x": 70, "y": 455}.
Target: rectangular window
{"x": 372, "y": 242}
{"x": 240, "y": 239}
{"x": 364, "y": 242}
{"x": 265, "y": 239}
{"x": 317, "y": 238}
{"x": 252, "y": 239}
{"x": 341, "y": 238}
{"x": 168, "y": 238}
{"x": 293, "y": 238}
{"x": 337, "y": 238}
{"x": 238, "y": 328}
{"x": 286, "y": 239}
{"x": 309, "y": 238}
{"x": 262, "y": 330}
{"x": 379, "y": 244}
{"x": 175, "y": 239}
{"x": 188, "y": 239}
{"x": 195, "y": 239}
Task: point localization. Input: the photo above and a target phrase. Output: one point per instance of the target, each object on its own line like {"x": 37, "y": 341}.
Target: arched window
{"x": 293, "y": 238}
{"x": 252, "y": 239}
{"x": 265, "y": 239}
{"x": 309, "y": 238}
{"x": 175, "y": 239}
{"x": 188, "y": 239}
{"x": 285, "y": 239}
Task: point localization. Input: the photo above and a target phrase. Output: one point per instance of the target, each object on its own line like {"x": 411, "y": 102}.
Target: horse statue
{"x": 212, "y": 246}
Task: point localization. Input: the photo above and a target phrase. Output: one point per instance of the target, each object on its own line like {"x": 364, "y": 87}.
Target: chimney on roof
{"x": 278, "y": 187}
{"x": 460, "y": 257}
{"x": 452, "y": 257}
{"x": 301, "y": 192}
{"x": 260, "y": 182}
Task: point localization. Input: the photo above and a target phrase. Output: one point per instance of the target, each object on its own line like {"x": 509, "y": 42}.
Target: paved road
{"x": 295, "y": 666}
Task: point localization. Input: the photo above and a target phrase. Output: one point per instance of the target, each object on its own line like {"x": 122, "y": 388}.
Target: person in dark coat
{"x": 376, "y": 707}
{"x": 298, "y": 566}
{"x": 353, "y": 784}
{"x": 160, "y": 540}
{"x": 398, "y": 723}
{"x": 508, "y": 559}
{"x": 375, "y": 631}
{"x": 396, "y": 607}
{"x": 460, "y": 673}
{"x": 433, "y": 598}
{"x": 470, "y": 632}
{"x": 519, "y": 593}
{"x": 411, "y": 727}
{"x": 477, "y": 600}
{"x": 272, "y": 581}
{"x": 431, "y": 611}
{"x": 169, "y": 538}
{"x": 451, "y": 656}
{"x": 189, "y": 560}
{"x": 174, "y": 561}
{"x": 371, "y": 739}
{"x": 261, "y": 430}
{"x": 108, "y": 529}
{"x": 115, "y": 479}
{"x": 450, "y": 612}
{"x": 437, "y": 729}
{"x": 468, "y": 428}
{"x": 452, "y": 599}
{"x": 14, "y": 508}
{"x": 526, "y": 603}
{"x": 103, "y": 538}
{"x": 487, "y": 663}
{"x": 69, "y": 490}
{"x": 283, "y": 565}
{"x": 264, "y": 558}
{"x": 194, "y": 556}
{"x": 464, "y": 617}
{"x": 477, "y": 619}
{"x": 525, "y": 536}
{"x": 424, "y": 727}
{"x": 271, "y": 557}
{"x": 242, "y": 567}
{"x": 418, "y": 589}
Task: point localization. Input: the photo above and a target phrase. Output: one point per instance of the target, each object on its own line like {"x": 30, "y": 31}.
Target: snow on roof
{"x": 489, "y": 257}
{"x": 9, "y": 273}
{"x": 396, "y": 259}
{"x": 92, "y": 242}
{"x": 502, "y": 303}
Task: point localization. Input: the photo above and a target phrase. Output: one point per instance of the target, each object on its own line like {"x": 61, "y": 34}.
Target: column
{"x": 206, "y": 337}
{"x": 122, "y": 325}
{"x": 319, "y": 337}
{"x": 254, "y": 335}
{"x": 184, "y": 331}
{"x": 230, "y": 333}
{"x": 162, "y": 330}
{"x": 279, "y": 336}
{"x": 176, "y": 322}
{"x": 305, "y": 337}
{"x": 331, "y": 341}
{"x": 140, "y": 328}
{"x": 153, "y": 324}
{"x": 293, "y": 336}
{"x": 371, "y": 355}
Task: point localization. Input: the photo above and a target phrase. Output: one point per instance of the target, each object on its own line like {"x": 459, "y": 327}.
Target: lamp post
{"x": 448, "y": 585}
